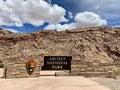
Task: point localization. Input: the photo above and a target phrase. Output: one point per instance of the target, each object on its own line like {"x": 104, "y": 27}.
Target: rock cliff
{"x": 93, "y": 43}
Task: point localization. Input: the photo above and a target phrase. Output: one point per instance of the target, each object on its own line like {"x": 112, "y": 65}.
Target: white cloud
{"x": 60, "y": 27}
{"x": 35, "y": 12}
{"x": 12, "y": 30}
{"x": 109, "y": 10}
{"x": 85, "y": 19}
{"x": 116, "y": 26}
{"x": 50, "y": 27}
{"x": 70, "y": 15}
{"x": 89, "y": 19}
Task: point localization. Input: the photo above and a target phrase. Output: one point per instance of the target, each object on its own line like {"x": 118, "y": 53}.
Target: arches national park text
{"x": 57, "y": 63}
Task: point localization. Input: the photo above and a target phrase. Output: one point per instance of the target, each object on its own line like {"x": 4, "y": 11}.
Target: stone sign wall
{"x": 18, "y": 70}
{"x": 92, "y": 69}
{"x": 82, "y": 68}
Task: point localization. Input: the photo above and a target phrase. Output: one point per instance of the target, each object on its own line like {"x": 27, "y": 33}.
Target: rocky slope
{"x": 94, "y": 44}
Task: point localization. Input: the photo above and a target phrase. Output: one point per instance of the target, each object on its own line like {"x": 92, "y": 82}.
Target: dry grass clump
{"x": 116, "y": 71}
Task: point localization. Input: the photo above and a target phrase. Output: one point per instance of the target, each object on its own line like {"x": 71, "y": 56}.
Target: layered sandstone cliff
{"x": 94, "y": 43}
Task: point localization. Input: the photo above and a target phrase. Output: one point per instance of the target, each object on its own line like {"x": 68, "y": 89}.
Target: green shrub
{"x": 1, "y": 65}
{"x": 116, "y": 71}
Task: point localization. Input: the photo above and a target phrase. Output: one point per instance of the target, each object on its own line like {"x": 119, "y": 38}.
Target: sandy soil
{"x": 1, "y": 72}
{"x": 114, "y": 84}
{"x": 50, "y": 83}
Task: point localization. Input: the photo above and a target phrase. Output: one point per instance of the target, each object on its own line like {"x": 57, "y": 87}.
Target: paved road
{"x": 50, "y": 83}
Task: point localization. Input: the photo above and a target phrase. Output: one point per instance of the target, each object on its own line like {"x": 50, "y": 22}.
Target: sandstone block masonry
{"x": 19, "y": 69}
{"x": 92, "y": 69}
{"x": 94, "y": 50}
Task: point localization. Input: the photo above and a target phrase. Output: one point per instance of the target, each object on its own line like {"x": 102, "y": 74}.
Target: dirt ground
{"x": 50, "y": 83}
{"x": 114, "y": 84}
{"x": 1, "y": 72}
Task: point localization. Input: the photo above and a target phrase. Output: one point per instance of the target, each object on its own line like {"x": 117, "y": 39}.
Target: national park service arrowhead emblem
{"x": 30, "y": 66}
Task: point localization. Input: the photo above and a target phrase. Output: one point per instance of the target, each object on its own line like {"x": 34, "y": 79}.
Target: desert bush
{"x": 116, "y": 71}
{"x": 1, "y": 65}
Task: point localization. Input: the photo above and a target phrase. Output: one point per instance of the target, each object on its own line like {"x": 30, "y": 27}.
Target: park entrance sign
{"x": 57, "y": 63}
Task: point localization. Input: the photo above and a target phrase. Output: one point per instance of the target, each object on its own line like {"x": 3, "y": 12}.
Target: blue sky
{"x": 22, "y": 16}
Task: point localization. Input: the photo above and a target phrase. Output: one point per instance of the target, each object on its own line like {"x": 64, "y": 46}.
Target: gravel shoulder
{"x": 111, "y": 83}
